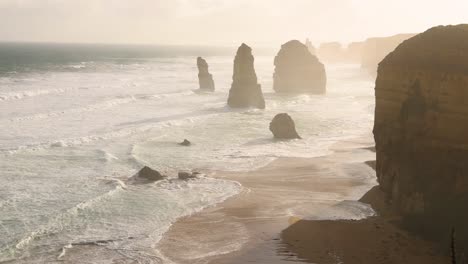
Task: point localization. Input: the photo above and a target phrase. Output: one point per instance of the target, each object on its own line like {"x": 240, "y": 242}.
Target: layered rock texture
{"x": 375, "y": 50}
{"x": 421, "y": 131}
{"x": 245, "y": 91}
{"x": 298, "y": 71}
{"x": 283, "y": 127}
{"x": 205, "y": 79}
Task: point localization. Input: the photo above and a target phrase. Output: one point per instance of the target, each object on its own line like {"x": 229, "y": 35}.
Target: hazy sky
{"x": 220, "y": 22}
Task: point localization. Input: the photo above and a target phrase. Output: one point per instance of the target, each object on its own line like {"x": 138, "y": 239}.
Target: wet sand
{"x": 376, "y": 239}
{"x": 265, "y": 223}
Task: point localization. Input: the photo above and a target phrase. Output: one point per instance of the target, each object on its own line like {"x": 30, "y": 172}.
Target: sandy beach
{"x": 283, "y": 215}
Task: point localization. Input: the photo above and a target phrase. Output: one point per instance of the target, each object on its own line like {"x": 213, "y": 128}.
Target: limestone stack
{"x": 298, "y": 71}
{"x": 421, "y": 131}
{"x": 245, "y": 91}
{"x": 205, "y": 79}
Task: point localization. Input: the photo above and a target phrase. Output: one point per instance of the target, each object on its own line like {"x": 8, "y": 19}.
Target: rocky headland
{"x": 421, "y": 128}
{"x": 375, "y": 50}
{"x": 331, "y": 52}
{"x": 353, "y": 52}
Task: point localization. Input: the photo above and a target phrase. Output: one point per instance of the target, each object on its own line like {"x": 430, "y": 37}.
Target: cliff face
{"x": 330, "y": 52}
{"x": 421, "y": 131}
{"x": 375, "y": 49}
{"x": 298, "y": 71}
{"x": 353, "y": 52}
{"x": 245, "y": 91}
{"x": 205, "y": 79}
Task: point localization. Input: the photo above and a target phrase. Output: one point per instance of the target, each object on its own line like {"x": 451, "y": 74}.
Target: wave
{"x": 125, "y": 132}
{"x": 57, "y": 224}
{"x": 25, "y": 94}
{"x": 166, "y": 95}
{"x": 99, "y": 106}
{"x": 101, "y": 220}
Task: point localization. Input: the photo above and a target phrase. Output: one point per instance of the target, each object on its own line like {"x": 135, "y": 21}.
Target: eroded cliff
{"x": 421, "y": 131}
{"x": 375, "y": 50}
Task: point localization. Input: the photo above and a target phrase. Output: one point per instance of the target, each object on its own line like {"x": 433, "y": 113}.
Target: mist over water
{"x": 74, "y": 125}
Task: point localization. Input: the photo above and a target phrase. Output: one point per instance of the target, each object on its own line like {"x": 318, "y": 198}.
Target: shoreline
{"x": 257, "y": 226}
{"x": 274, "y": 197}
{"x": 377, "y": 239}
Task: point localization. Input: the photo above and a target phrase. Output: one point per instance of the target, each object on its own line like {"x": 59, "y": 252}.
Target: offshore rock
{"x": 283, "y": 127}
{"x": 298, "y": 71}
{"x": 146, "y": 175}
{"x": 205, "y": 79}
{"x": 245, "y": 91}
{"x": 185, "y": 143}
{"x": 186, "y": 175}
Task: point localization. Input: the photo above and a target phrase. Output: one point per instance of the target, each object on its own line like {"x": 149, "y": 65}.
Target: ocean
{"x": 77, "y": 120}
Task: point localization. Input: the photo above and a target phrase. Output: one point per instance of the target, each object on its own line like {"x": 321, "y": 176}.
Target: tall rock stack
{"x": 205, "y": 79}
{"x": 245, "y": 91}
{"x": 421, "y": 131}
{"x": 298, "y": 71}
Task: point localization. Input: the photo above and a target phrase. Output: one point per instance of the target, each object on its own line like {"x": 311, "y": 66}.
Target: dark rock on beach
{"x": 282, "y": 126}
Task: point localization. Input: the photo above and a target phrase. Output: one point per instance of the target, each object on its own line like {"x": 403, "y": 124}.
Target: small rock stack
{"x": 205, "y": 79}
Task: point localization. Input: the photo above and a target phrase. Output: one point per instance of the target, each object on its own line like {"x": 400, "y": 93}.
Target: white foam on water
{"x": 131, "y": 219}
{"x": 24, "y": 94}
{"x": 96, "y": 107}
{"x": 64, "y": 151}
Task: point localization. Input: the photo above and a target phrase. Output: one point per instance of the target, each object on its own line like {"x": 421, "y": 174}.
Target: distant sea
{"x": 77, "y": 120}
